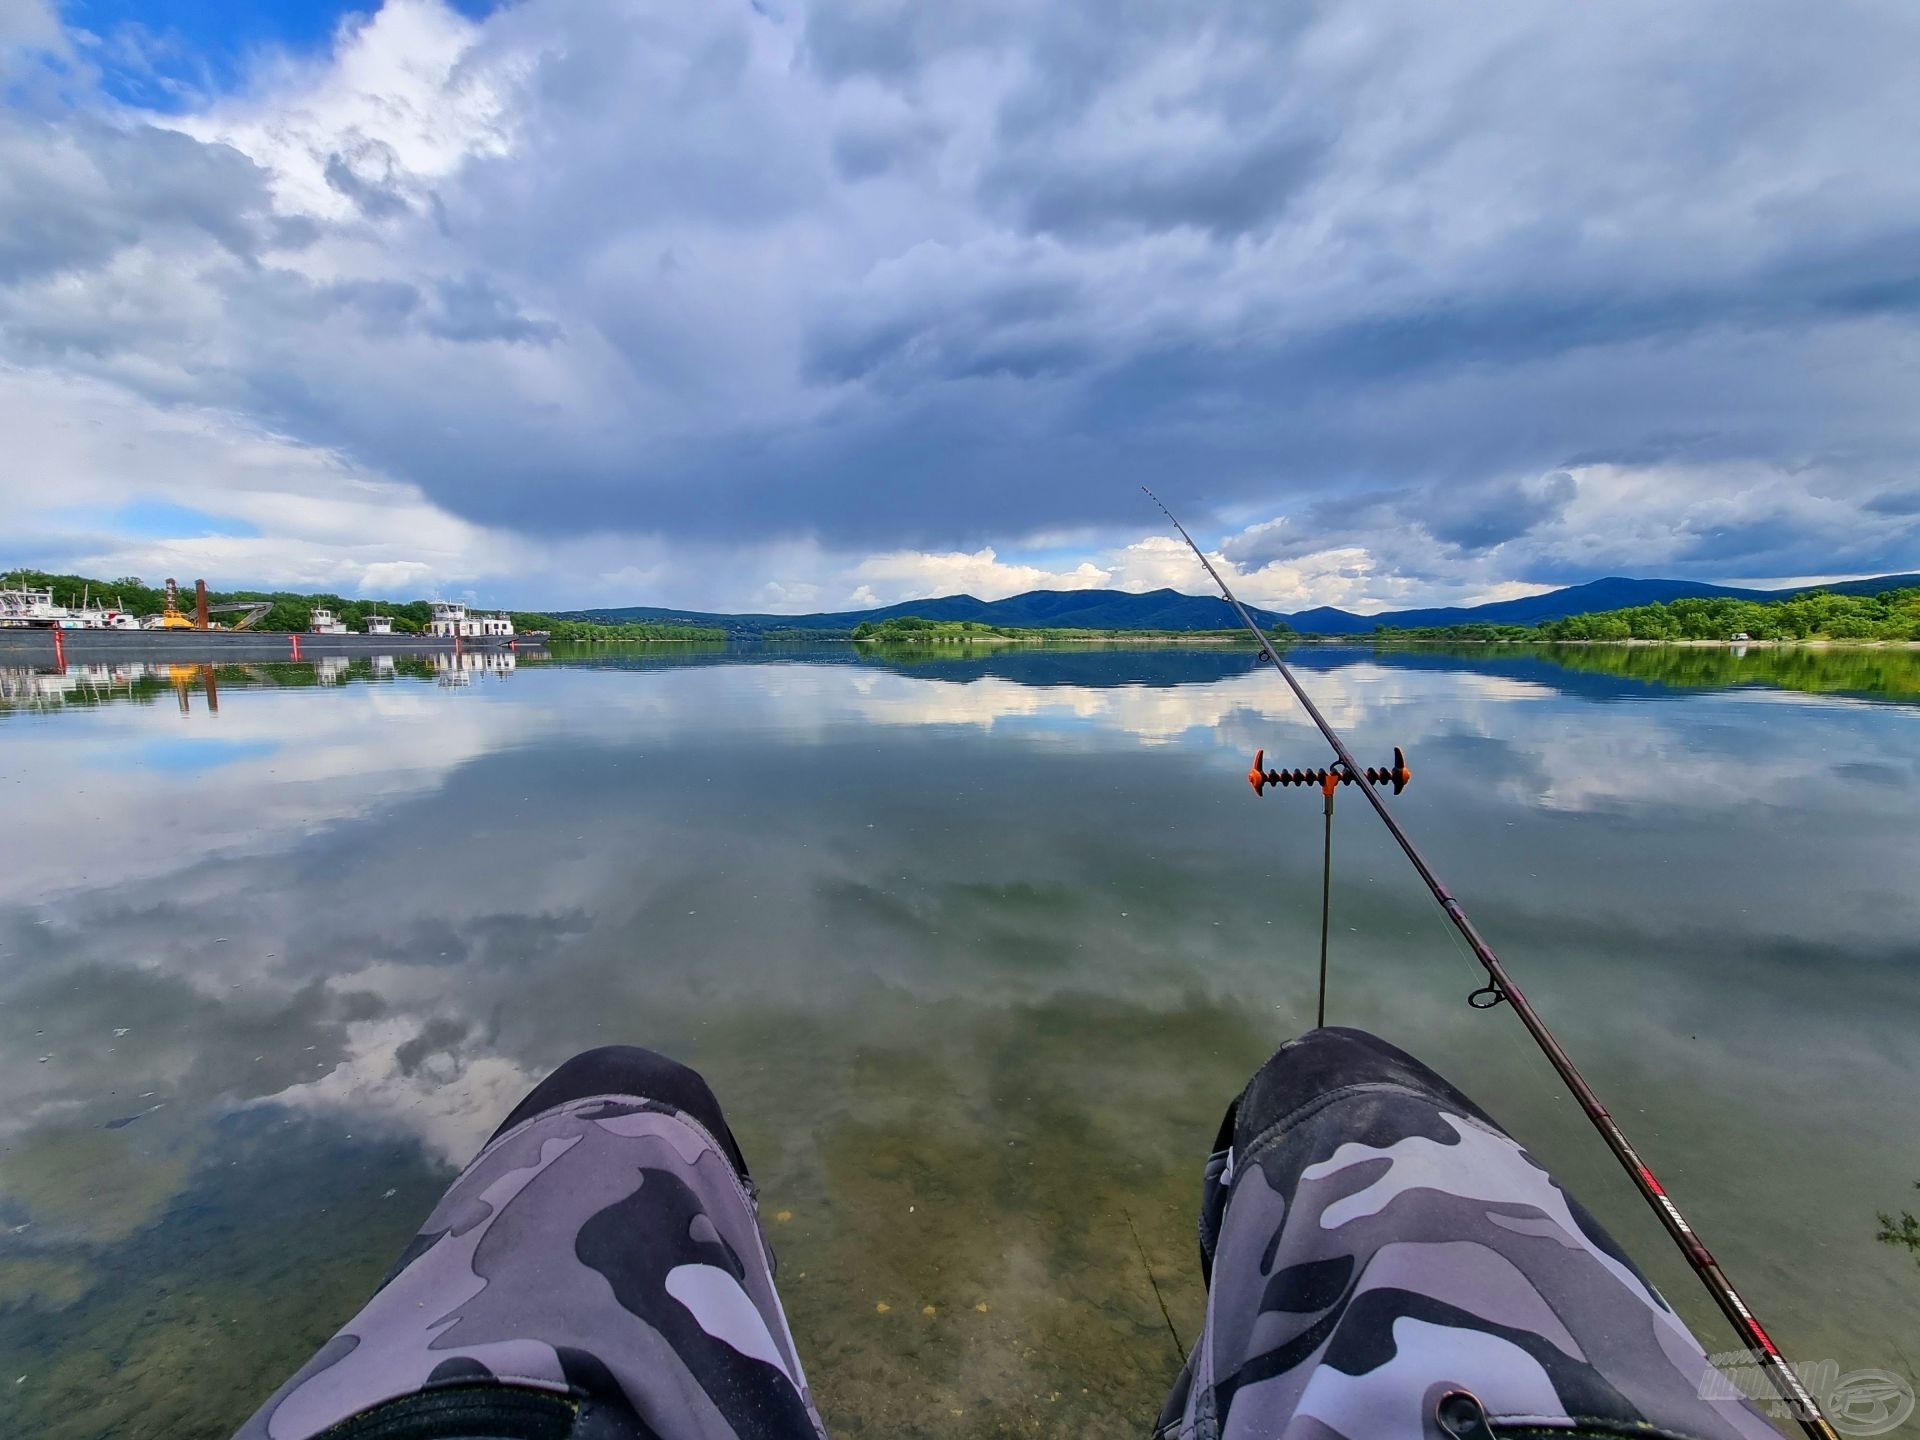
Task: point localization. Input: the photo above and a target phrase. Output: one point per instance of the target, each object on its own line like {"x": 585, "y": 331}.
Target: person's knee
{"x": 1330, "y": 1059}
{"x": 635, "y": 1071}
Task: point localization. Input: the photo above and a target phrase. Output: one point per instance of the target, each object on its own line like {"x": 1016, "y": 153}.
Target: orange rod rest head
{"x": 1398, "y": 775}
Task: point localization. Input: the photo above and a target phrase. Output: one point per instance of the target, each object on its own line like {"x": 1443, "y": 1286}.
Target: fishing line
{"x": 1147, "y": 1265}
{"x": 1500, "y": 989}
{"x": 1326, "y": 902}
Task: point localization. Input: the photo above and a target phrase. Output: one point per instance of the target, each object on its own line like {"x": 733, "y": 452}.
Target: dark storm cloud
{"x": 368, "y": 179}
{"x": 1739, "y": 543}
{"x": 862, "y": 151}
{"x": 1007, "y": 323}
{"x": 1051, "y": 437}
{"x": 1227, "y": 194}
{"x": 1485, "y": 516}
{"x": 74, "y": 196}
{"x": 892, "y": 42}
{"x": 383, "y": 306}
{"x": 472, "y": 308}
{"x": 1289, "y": 391}
{"x": 1231, "y": 152}
{"x": 1895, "y": 502}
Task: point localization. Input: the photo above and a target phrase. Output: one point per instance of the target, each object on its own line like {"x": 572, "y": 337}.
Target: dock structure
{"x": 47, "y": 646}
{"x": 34, "y": 629}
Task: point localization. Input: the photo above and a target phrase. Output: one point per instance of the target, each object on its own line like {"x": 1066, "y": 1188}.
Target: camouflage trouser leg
{"x": 597, "y": 1273}
{"x": 1385, "y": 1263}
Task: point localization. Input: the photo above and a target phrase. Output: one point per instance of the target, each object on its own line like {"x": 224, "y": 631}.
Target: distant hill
{"x": 1171, "y": 610}
{"x": 1616, "y": 592}
{"x": 1060, "y": 609}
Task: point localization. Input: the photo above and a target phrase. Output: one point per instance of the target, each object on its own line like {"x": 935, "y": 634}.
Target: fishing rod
{"x": 1500, "y": 987}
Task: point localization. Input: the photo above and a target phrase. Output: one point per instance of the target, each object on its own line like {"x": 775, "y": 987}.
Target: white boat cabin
{"x": 379, "y": 624}
{"x": 451, "y": 620}
{"x": 24, "y": 606}
{"x": 325, "y": 622}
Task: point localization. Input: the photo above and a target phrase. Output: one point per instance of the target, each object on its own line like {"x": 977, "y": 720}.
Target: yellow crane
{"x": 170, "y": 616}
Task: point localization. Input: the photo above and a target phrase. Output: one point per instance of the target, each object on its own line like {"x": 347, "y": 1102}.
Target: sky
{"x": 798, "y": 305}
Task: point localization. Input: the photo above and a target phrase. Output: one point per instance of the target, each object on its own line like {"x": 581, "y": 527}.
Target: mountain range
{"x": 1171, "y": 610}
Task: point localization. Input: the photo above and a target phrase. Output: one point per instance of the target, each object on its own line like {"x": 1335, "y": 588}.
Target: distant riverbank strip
{"x": 1890, "y": 619}
{"x": 1459, "y": 636}
{"x": 290, "y": 612}
{"x": 1820, "y": 617}
{"x": 913, "y": 630}
{"x": 1803, "y": 618}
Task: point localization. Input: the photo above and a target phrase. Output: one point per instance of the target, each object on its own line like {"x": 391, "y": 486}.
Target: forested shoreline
{"x": 1817, "y": 616}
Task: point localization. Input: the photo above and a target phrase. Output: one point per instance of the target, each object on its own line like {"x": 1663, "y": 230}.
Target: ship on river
{"x": 452, "y": 622}
{"x": 24, "y": 608}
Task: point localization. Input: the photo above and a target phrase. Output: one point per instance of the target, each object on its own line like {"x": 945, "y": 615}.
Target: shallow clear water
{"x": 974, "y": 950}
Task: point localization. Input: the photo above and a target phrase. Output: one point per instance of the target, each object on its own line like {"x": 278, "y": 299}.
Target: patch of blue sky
{"x": 183, "y": 755}
{"x": 171, "y": 55}
{"x": 165, "y": 520}
{"x": 44, "y": 552}
{"x": 150, "y": 518}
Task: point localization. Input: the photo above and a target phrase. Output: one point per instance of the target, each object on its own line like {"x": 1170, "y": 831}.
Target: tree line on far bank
{"x": 917, "y": 630}
{"x": 1817, "y": 615}
{"x": 913, "y": 629}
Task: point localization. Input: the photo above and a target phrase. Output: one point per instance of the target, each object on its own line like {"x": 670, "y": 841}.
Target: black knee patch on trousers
{"x": 636, "y": 1071}
{"x": 1329, "y": 1059}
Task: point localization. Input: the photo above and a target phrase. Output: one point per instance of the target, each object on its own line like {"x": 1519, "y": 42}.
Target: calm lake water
{"x": 974, "y": 950}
